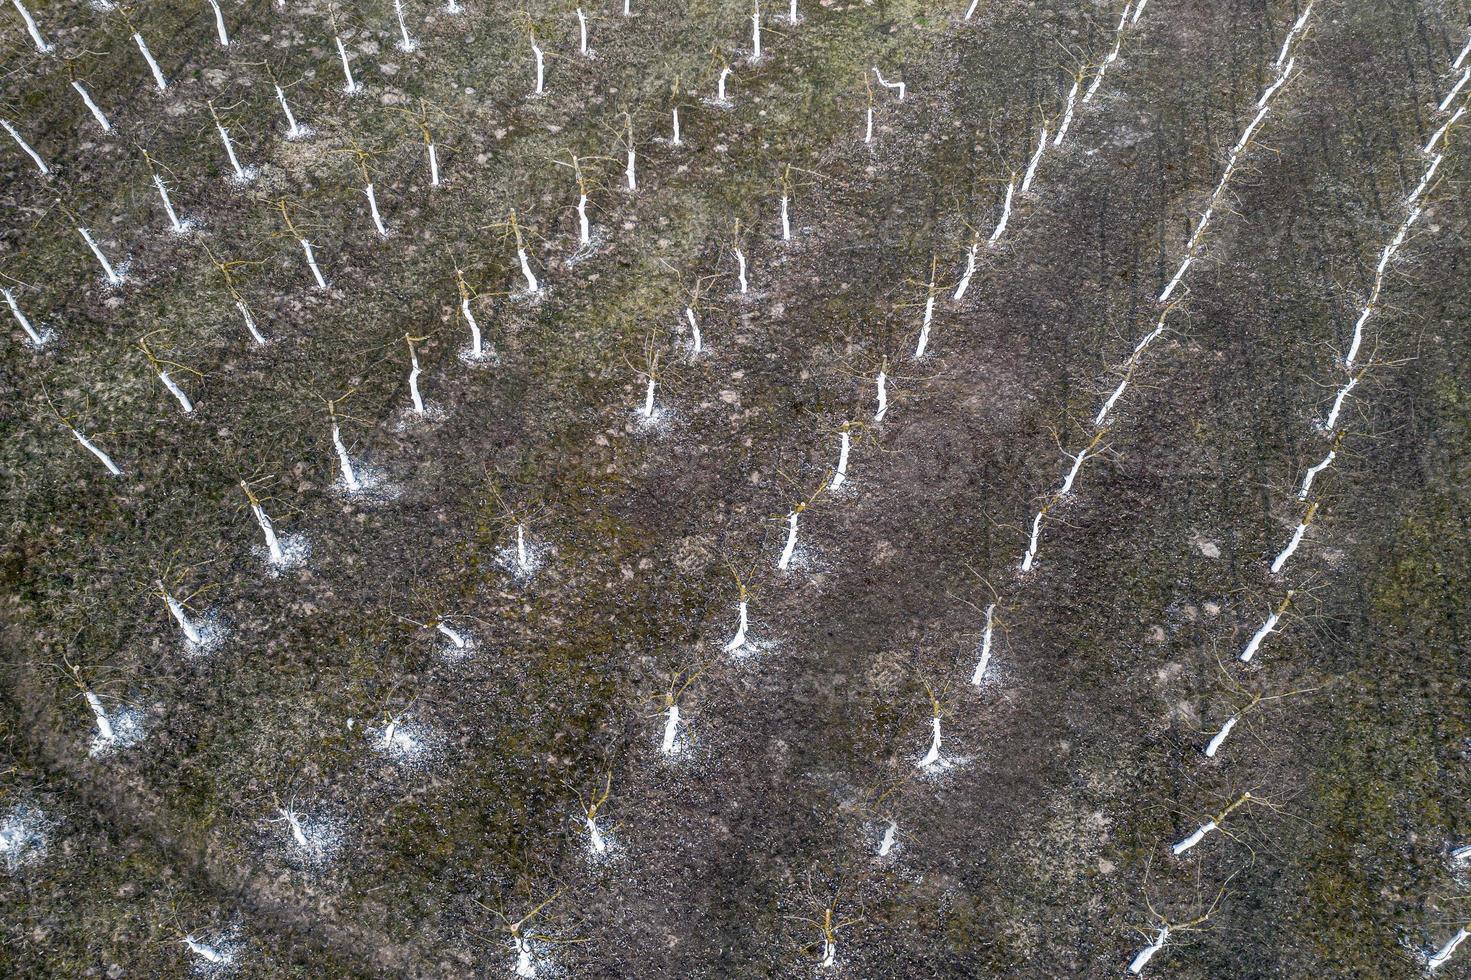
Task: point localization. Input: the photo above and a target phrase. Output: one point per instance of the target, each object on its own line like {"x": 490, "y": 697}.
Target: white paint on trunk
{"x": 1288, "y": 551}
{"x": 177, "y": 392}
{"x": 106, "y": 267}
{"x": 1031, "y": 173}
{"x": 175, "y": 224}
{"x": 1146, "y": 954}
{"x": 104, "y": 724}
{"x": 1312, "y": 473}
{"x": 37, "y": 339}
{"x": 1261, "y": 634}
{"x": 97, "y": 113}
{"x": 220, "y": 31}
{"x": 970, "y": 270}
{"x": 311, "y": 261}
{"x": 1005, "y": 214}
{"x": 102, "y": 457}
{"x": 255, "y": 333}
{"x": 1067, "y": 113}
{"x": 19, "y": 141}
{"x": 405, "y": 43}
{"x": 671, "y": 730}
{"x": 273, "y": 544}
{"x": 1438, "y": 959}
{"x": 532, "y": 286}
{"x": 979, "y": 674}
{"x": 1214, "y": 745}
{"x": 1195, "y": 838}
{"x": 1031, "y": 554}
{"x": 414, "y": 396}
{"x": 882, "y": 385}
{"x": 373, "y": 207}
{"x": 741, "y": 270}
{"x": 786, "y": 224}
{"x": 163, "y": 85}
{"x": 349, "y": 476}
{"x": 739, "y": 639}
{"x": 886, "y": 843}
{"x": 840, "y": 475}
{"x": 176, "y": 609}
{"x": 35, "y": 32}
{"x": 689, "y": 315}
{"x": 933, "y": 755}
{"x": 351, "y": 87}
{"x": 648, "y": 409}
{"x": 785, "y": 561}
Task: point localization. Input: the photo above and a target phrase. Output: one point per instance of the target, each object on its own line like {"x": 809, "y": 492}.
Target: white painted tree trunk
{"x": 933, "y": 755}
{"x": 36, "y": 338}
{"x": 1312, "y": 474}
{"x": 405, "y": 43}
{"x": 695, "y": 339}
{"x": 220, "y": 31}
{"x": 97, "y": 113}
{"x": 349, "y": 476}
{"x": 1288, "y": 551}
{"x": 1067, "y": 114}
{"x": 107, "y": 270}
{"x": 1005, "y": 215}
{"x": 273, "y": 544}
{"x": 882, "y": 385}
{"x": 523, "y": 559}
{"x": 175, "y": 224}
{"x": 1214, "y": 745}
{"x": 979, "y": 674}
{"x": 739, "y": 639}
{"x": 840, "y": 475}
{"x": 373, "y": 207}
{"x": 1146, "y": 954}
{"x": 476, "y": 350}
{"x": 1031, "y": 173}
{"x": 1195, "y": 838}
{"x": 1438, "y": 959}
{"x": 970, "y": 270}
{"x": 102, "y": 457}
{"x": 595, "y": 837}
{"x": 785, "y": 561}
{"x": 35, "y": 32}
{"x": 176, "y": 609}
{"x": 886, "y": 843}
{"x": 532, "y": 285}
{"x": 414, "y": 396}
{"x": 298, "y": 833}
{"x": 1261, "y": 634}
{"x": 741, "y": 271}
{"x": 158, "y": 79}
{"x": 786, "y": 224}
{"x": 255, "y": 333}
{"x": 311, "y": 261}
{"x": 177, "y": 392}
{"x": 1031, "y": 555}
{"x": 671, "y": 729}
{"x": 648, "y": 409}
{"x": 351, "y": 87}
{"x": 205, "y": 951}
{"x": 104, "y": 724}
{"x": 19, "y": 141}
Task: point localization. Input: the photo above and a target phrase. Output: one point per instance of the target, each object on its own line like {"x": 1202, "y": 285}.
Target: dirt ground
{"x": 1040, "y": 845}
